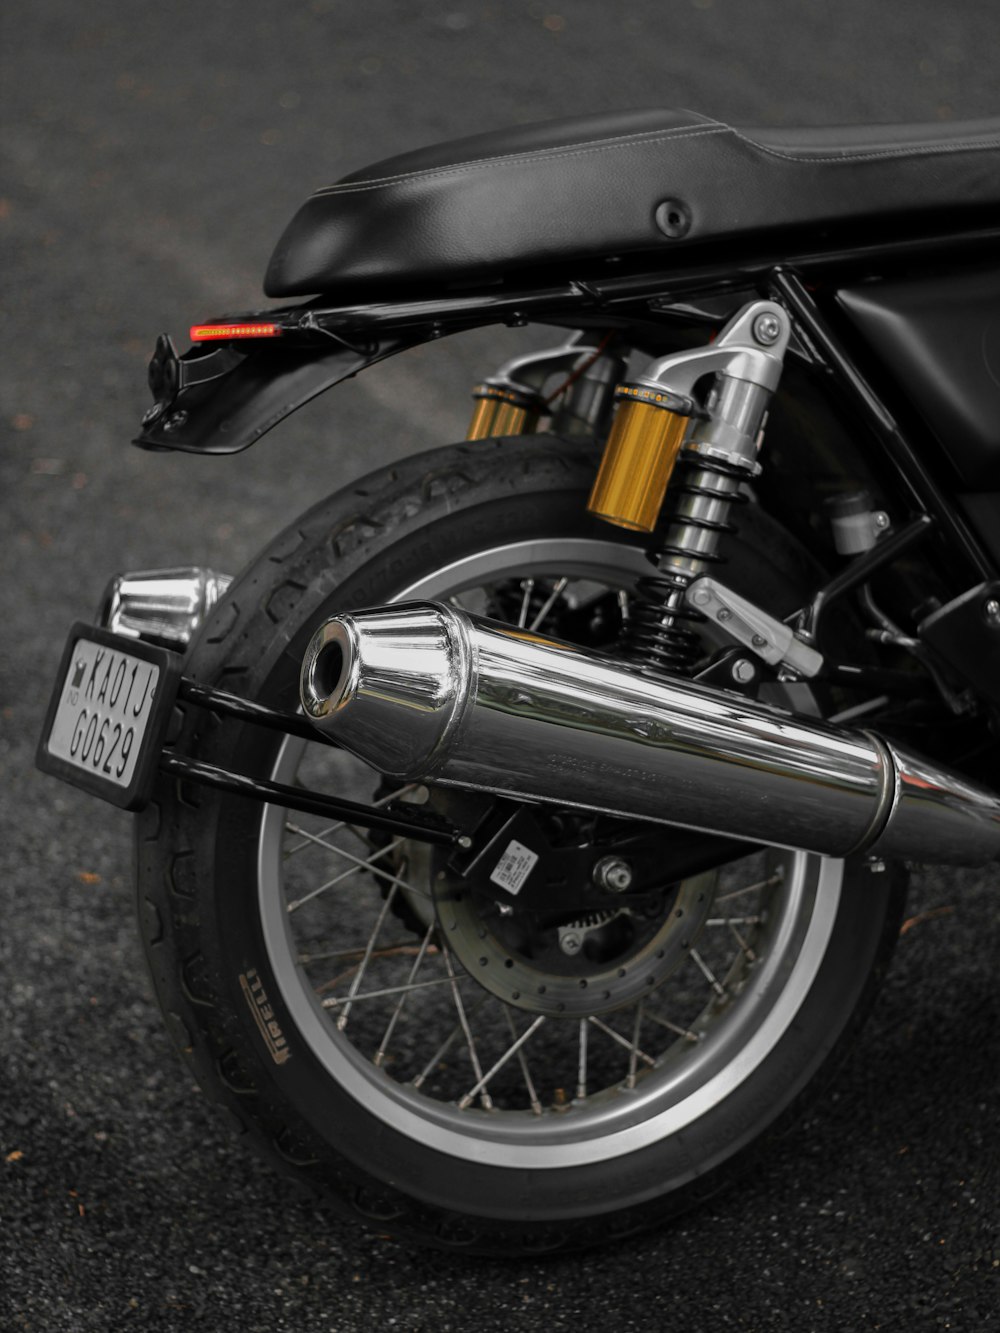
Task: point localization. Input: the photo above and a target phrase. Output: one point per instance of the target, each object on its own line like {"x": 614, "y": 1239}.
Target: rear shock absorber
{"x": 659, "y": 426}
{"x": 512, "y": 401}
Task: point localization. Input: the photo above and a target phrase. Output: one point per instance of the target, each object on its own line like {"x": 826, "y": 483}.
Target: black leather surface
{"x": 591, "y": 186}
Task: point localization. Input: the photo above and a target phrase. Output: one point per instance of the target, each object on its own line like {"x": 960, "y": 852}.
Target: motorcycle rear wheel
{"x": 324, "y": 1007}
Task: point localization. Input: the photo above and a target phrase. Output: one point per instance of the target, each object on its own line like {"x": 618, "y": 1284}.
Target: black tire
{"x": 371, "y": 1145}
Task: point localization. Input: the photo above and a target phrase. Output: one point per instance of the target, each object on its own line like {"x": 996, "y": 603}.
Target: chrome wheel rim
{"x": 626, "y": 1079}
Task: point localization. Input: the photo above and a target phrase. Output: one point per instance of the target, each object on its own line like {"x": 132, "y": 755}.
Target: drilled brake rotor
{"x": 621, "y": 954}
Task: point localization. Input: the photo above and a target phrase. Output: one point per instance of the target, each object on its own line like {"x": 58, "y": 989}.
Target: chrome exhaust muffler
{"x": 425, "y": 691}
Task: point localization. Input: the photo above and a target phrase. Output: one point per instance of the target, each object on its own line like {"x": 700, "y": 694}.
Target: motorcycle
{"x": 521, "y": 838}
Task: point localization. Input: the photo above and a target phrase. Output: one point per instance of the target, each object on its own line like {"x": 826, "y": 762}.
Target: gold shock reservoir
{"x": 642, "y": 447}
{"x": 503, "y": 409}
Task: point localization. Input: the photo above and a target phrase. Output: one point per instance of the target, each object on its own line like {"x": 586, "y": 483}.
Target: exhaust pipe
{"x": 424, "y": 691}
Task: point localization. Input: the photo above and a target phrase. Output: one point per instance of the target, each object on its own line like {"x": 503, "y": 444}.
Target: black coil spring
{"x": 659, "y": 633}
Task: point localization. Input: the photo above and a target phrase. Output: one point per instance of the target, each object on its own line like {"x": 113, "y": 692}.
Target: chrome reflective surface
{"x": 503, "y": 710}
{"x": 162, "y": 606}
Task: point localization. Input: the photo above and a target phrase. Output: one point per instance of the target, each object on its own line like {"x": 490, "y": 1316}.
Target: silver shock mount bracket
{"x": 771, "y": 640}
{"x": 747, "y": 359}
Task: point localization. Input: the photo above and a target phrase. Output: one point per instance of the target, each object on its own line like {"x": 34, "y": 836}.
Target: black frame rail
{"x": 424, "y": 826}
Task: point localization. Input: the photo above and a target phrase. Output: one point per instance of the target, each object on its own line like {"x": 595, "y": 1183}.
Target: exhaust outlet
{"x": 425, "y": 691}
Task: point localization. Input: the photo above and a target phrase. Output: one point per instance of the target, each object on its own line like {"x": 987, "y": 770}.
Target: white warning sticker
{"x": 514, "y": 866}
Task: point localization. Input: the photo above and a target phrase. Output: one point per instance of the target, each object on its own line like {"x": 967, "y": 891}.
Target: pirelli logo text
{"x": 263, "y": 1014}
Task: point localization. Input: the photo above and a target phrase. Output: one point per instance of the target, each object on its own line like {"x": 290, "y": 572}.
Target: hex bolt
{"x": 767, "y": 329}
{"x": 570, "y": 941}
{"x": 611, "y": 872}
{"x": 743, "y": 671}
{"x": 991, "y": 613}
{"x": 701, "y": 597}
{"x": 881, "y": 520}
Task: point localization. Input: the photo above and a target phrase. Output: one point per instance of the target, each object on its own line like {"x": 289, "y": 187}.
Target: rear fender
{"x": 223, "y": 399}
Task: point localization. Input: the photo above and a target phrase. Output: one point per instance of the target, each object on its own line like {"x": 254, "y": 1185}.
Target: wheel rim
{"x": 626, "y": 1079}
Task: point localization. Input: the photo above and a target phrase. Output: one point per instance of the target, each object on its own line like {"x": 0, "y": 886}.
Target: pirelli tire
{"x": 540, "y": 1163}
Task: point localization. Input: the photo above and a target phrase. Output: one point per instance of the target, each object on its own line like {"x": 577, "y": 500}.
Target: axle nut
{"x": 612, "y": 873}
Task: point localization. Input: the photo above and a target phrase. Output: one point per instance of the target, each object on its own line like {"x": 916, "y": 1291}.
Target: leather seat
{"x": 595, "y": 186}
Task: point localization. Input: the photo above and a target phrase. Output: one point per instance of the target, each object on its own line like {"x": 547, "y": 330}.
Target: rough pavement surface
{"x": 152, "y": 155}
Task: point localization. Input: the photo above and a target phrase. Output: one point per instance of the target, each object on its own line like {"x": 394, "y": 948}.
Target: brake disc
{"x": 616, "y": 956}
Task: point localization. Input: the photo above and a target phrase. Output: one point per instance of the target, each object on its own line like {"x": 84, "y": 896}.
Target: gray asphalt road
{"x": 151, "y": 156}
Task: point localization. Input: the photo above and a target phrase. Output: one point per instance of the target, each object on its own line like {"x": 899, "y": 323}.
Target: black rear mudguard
{"x": 223, "y": 399}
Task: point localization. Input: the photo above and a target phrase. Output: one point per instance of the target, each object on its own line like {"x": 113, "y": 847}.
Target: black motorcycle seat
{"x": 598, "y": 186}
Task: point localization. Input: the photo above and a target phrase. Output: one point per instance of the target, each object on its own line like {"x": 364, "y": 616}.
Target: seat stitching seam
{"x": 910, "y": 150}
{"x": 580, "y": 150}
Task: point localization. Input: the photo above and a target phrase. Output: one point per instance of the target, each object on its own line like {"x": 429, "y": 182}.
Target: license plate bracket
{"x": 108, "y": 715}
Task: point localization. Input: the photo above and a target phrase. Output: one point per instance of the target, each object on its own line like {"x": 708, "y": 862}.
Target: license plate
{"x": 108, "y": 714}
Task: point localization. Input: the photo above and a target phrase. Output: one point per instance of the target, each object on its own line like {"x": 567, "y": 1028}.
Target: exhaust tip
{"x": 389, "y": 684}
{"x": 327, "y": 669}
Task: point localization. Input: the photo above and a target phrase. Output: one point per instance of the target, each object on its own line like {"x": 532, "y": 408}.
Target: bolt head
{"x": 767, "y": 329}
{"x": 611, "y": 872}
{"x": 991, "y": 613}
{"x": 570, "y": 942}
{"x": 743, "y": 671}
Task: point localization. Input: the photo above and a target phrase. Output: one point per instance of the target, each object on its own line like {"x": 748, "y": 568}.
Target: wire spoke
{"x": 418, "y": 961}
{"x": 734, "y": 921}
{"x": 448, "y": 1042}
{"x": 748, "y": 952}
{"x": 344, "y": 874}
{"x": 672, "y": 1027}
{"x": 333, "y": 1001}
{"x": 550, "y": 602}
{"x": 622, "y": 1041}
{"x": 366, "y": 864}
{"x": 768, "y": 883}
{"x": 309, "y": 838}
{"x": 527, "y": 588}
{"x": 522, "y": 1060}
{"x": 707, "y": 973}
{"x": 470, "y": 1042}
{"x": 345, "y": 1013}
{"x": 387, "y": 951}
{"x": 634, "y": 1053}
{"x": 511, "y": 1051}
{"x": 581, "y": 1061}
